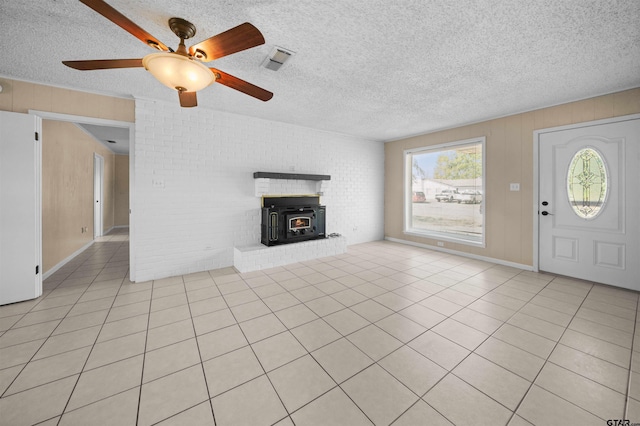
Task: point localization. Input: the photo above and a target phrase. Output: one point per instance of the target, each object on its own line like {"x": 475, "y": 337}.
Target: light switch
{"x": 514, "y": 187}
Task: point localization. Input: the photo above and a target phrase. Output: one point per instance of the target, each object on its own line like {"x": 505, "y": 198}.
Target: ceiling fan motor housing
{"x": 182, "y": 28}
{"x": 185, "y": 30}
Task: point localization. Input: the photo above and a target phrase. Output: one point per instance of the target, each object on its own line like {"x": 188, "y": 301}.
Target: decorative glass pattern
{"x": 587, "y": 183}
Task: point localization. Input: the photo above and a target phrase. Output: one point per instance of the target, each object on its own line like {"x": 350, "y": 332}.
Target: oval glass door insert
{"x": 587, "y": 183}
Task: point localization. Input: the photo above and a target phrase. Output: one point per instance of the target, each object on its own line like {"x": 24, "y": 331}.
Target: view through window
{"x": 445, "y": 191}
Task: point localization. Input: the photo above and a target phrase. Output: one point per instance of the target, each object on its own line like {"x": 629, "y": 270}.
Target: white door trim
{"x": 98, "y": 194}
{"x": 536, "y": 170}
{"x": 46, "y": 115}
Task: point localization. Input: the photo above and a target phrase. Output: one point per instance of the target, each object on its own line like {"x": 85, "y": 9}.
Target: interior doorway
{"x": 119, "y": 125}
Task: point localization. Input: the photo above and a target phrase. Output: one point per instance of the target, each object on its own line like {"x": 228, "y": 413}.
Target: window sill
{"x": 445, "y": 237}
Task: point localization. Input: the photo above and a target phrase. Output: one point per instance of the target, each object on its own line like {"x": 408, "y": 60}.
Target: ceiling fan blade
{"x": 241, "y": 85}
{"x": 244, "y": 36}
{"x": 103, "y": 64}
{"x": 187, "y": 99}
{"x": 125, "y": 23}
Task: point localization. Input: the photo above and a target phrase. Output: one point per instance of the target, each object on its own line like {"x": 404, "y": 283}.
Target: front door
{"x": 589, "y": 208}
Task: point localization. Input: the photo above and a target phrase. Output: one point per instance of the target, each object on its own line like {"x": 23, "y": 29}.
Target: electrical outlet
{"x": 514, "y": 187}
{"x": 440, "y": 244}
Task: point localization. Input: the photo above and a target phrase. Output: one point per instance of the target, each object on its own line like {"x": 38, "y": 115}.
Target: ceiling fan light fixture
{"x": 178, "y": 71}
{"x": 182, "y": 69}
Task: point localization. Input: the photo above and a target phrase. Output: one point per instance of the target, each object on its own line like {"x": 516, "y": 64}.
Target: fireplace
{"x": 292, "y": 219}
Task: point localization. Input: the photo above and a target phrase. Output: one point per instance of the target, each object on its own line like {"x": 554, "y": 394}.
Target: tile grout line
{"x": 338, "y": 385}
{"x": 547, "y": 361}
{"x": 178, "y": 342}
{"x": 252, "y": 350}
{"x": 406, "y": 344}
{"x": 144, "y": 353}
{"x": 633, "y": 338}
{"x": 287, "y": 329}
{"x": 86, "y": 361}
{"x": 557, "y": 342}
{"x": 450, "y": 371}
{"x": 47, "y": 339}
{"x": 195, "y": 337}
{"x": 50, "y": 334}
{"x": 504, "y": 322}
{"x": 95, "y": 340}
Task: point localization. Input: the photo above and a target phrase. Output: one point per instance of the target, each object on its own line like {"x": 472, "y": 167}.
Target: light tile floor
{"x": 385, "y": 334}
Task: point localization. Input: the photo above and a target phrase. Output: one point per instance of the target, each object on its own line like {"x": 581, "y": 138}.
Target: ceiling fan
{"x": 182, "y": 69}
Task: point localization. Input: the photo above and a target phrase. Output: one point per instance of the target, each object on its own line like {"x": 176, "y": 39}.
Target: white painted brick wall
{"x": 195, "y": 195}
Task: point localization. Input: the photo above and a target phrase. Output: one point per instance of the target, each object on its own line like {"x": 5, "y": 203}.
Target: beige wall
{"x": 121, "y": 207}
{"x": 67, "y": 178}
{"x": 19, "y": 96}
{"x": 509, "y": 158}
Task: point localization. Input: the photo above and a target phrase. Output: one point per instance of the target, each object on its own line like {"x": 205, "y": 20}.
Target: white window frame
{"x": 408, "y": 191}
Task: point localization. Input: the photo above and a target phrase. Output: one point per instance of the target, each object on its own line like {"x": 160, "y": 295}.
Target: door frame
{"x": 98, "y": 195}
{"x": 536, "y": 171}
{"x": 46, "y": 115}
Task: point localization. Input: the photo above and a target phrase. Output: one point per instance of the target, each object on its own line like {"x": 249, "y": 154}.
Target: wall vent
{"x": 277, "y": 58}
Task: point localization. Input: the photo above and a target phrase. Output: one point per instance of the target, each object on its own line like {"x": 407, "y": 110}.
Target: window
{"x": 452, "y": 180}
{"x": 587, "y": 183}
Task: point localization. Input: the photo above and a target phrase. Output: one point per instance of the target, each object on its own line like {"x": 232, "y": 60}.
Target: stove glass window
{"x": 300, "y": 222}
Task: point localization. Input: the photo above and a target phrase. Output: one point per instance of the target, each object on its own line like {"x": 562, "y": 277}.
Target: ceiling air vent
{"x": 277, "y": 58}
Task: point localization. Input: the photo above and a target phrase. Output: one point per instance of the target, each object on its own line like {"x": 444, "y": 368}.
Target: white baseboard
{"x": 463, "y": 254}
{"x": 66, "y": 260}
{"x": 114, "y": 227}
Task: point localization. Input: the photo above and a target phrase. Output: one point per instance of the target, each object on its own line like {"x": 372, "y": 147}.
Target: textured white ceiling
{"x": 377, "y": 69}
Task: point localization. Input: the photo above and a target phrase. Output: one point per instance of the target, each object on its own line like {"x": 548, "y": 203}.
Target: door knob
{"x": 545, "y": 213}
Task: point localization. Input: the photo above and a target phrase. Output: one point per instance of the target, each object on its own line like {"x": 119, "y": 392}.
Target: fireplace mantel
{"x": 294, "y": 176}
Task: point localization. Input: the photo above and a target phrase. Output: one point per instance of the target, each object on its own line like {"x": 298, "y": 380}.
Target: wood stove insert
{"x": 292, "y": 219}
